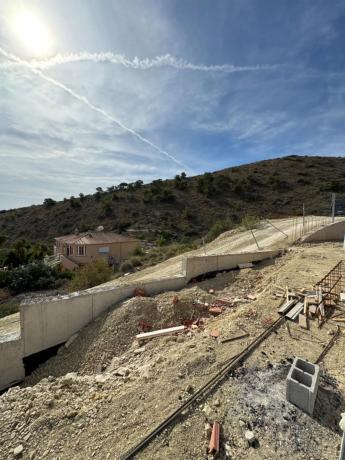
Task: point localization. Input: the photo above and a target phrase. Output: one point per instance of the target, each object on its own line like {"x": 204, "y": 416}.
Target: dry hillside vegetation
{"x": 186, "y": 208}
{"x": 117, "y": 391}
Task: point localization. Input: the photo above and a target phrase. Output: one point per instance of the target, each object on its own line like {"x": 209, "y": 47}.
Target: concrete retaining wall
{"x": 11, "y": 363}
{"x": 332, "y": 232}
{"x": 51, "y": 322}
{"x": 199, "y": 265}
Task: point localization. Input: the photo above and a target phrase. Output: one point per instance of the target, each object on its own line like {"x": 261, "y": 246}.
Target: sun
{"x": 31, "y": 31}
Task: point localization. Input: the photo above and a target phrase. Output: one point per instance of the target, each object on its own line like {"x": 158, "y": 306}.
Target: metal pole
{"x": 303, "y": 217}
{"x": 255, "y": 239}
{"x": 333, "y": 207}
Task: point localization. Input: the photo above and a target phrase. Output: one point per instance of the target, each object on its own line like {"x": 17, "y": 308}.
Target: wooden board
{"x": 303, "y": 321}
{"x": 160, "y": 332}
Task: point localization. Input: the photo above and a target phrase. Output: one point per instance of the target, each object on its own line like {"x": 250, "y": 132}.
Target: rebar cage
{"x": 332, "y": 284}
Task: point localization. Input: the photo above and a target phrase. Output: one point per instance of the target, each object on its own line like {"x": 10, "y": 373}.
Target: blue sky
{"x": 133, "y": 90}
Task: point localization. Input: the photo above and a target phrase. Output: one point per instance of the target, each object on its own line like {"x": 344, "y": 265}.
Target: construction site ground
{"x": 104, "y": 392}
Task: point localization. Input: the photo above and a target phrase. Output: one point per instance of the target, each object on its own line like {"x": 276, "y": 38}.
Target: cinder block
{"x": 342, "y": 448}
{"x": 302, "y": 384}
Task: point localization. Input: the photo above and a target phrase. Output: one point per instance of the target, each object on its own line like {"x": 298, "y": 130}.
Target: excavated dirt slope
{"x": 117, "y": 391}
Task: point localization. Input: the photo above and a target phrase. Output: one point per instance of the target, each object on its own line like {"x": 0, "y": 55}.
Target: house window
{"x": 69, "y": 251}
{"x": 104, "y": 250}
{"x": 81, "y": 250}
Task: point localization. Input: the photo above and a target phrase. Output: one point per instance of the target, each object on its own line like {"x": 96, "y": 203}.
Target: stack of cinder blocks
{"x": 302, "y": 384}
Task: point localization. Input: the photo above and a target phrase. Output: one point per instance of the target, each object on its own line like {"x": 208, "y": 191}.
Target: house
{"x": 82, "y": 248}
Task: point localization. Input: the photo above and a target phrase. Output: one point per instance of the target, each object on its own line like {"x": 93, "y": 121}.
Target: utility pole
{"x": 333, "y": 207}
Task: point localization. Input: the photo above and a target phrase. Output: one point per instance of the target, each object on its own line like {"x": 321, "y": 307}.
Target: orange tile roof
{"x": 94, "y": 238}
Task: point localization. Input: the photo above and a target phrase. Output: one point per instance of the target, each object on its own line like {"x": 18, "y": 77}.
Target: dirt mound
{"x": 113, "y": 333}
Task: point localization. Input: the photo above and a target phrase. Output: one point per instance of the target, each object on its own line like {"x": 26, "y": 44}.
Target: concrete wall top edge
{"x": 139, "y": 283}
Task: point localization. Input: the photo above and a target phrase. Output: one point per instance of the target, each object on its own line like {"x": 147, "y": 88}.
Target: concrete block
{"x": 342, "y": 446}
{"x": 302, "y": 384}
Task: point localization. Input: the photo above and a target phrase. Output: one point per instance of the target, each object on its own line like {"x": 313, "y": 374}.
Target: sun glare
{"x": 32, "y": 32}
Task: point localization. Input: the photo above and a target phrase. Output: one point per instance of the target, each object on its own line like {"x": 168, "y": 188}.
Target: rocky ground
{"x": 104, "y": 392}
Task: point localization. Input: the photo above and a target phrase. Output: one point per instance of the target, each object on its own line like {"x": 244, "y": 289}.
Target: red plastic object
{"x": 213, "y": 447}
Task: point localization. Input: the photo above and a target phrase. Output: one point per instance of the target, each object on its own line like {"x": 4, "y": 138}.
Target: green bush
{"x": 8, "y": 308}
{"x": 139, "y": 251}
{"x": 49, "y": 202}
{"x": 34, "y": 276}
{"x": 135, "y": 261}
{"x": 126, "y": 267}
{"x": 249, "y": 222}
{"x": 219, "y": 227}
{"x": 92, "y": 274}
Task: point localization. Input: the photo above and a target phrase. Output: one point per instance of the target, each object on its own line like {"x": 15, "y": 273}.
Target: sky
{"x": 99, "y": 92}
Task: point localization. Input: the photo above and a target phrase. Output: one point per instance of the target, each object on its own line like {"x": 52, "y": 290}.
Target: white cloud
{"x": 140, "y": 64}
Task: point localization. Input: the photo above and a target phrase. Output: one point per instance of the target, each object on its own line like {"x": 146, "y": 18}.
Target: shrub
{"x": 219, "y": 227}
{"x": 167, "y": 196}
{"x": 205, "y": 185}
{"x": 135, "y": 261}
{"x": 49, "y": 202}
{"x": 74, "y": 203}
{"x": 138, "y": 251}
{"x": 32, "y": 277}
{"x": 180, "y": 181}
{"x": 92, "y": 274}
{"x": 8, "y": 308}
{"x": 126, "y": 267}
{"x": 249, "y": 222}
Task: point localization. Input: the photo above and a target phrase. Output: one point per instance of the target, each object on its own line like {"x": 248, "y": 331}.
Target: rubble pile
{"x": 113, "y": 333}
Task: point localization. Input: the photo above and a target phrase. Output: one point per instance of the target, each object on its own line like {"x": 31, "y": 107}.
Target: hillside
{"x": 186, "y": 207}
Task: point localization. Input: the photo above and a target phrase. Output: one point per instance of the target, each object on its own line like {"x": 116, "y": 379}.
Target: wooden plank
{"x": 160, "y": 332}
{"x": 312, "y": 309}
{"x": 295, "y": 311}
{"x": 303, "y": 321}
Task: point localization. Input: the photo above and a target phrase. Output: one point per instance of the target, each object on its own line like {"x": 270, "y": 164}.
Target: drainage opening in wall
{"x": 33, "y": 361}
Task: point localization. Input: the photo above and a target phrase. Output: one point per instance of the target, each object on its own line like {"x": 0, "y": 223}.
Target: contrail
{"x": 93, "y": 107}
{"x": 142, "y": 64}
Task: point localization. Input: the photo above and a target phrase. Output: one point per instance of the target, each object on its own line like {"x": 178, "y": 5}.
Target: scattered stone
{"x": 250, "y": 437}
{"x": 101, "y": 378}
{"x": 122, "y": 371}
{"x": 18, "y": 450}
{"x": 140, "y": 350}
